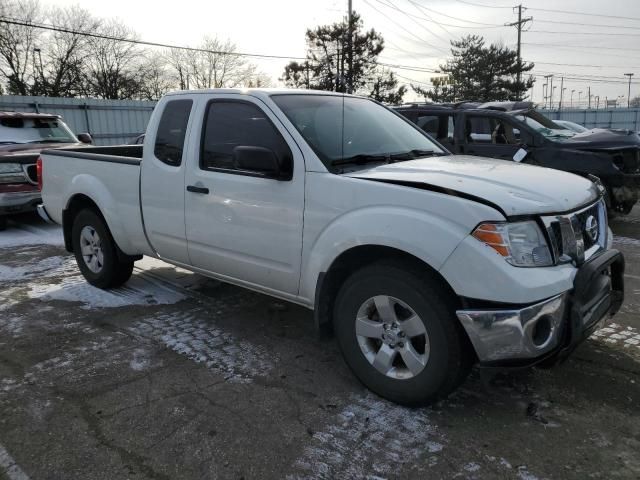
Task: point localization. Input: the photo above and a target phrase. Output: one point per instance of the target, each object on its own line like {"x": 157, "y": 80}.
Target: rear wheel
{"x": 398, "y": 333}
{"x": 95, "y": 252}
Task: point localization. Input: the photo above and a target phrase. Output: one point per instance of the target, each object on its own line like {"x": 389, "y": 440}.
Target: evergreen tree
{"x": 327, "y": 62}
{"x": 480, "y": 73}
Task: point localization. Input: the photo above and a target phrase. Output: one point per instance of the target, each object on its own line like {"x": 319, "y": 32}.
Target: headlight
{"x": 520, "y": 243}
{"x": 10, "y": 168}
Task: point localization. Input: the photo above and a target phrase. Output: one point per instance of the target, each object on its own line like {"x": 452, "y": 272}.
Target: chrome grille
{"x": 568, "y": 235}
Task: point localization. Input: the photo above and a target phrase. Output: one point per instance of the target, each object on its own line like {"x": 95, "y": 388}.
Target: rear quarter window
{"x": 171, "y": 132}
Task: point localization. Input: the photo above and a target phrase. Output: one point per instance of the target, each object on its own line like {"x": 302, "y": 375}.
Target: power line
{"x": 585, "y": 65}
{"x": 582, "y": 24}
{"x": 578, "y": 46}
{"x": 605, "y": 34}
{"x": 404, "y": 28}
{"x": 459, "y": 19}
{"x": 413, "y": 19}
{"x": 485, "y": 6}
{"x": 11, "y": 21}
{"x": 601, "y": 15}
{"x": 442, "y": 24}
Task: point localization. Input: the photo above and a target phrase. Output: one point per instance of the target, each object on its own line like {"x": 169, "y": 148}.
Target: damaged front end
{"x": 623, "y": 185}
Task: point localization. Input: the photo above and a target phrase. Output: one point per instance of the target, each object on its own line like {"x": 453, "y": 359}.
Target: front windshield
{"x": 343, "y": 129}
{"x": 34, "y": 130}
{"x": 544, "y": 126}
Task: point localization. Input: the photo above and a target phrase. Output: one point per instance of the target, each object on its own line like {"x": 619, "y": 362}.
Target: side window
{"x": 232, "y": 124}
{"x": 451, "y": 126}
{"x": 478, "y": 129}
{"x": 171, "y": 131}
{"x": 429, "y": 123}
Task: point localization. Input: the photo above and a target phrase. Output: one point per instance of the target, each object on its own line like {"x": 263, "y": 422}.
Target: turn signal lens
{"x": 522, "y": 244}
{"x": 488, "y": 233}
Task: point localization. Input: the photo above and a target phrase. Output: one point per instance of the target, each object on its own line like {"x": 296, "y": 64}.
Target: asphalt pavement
{"x": 175, "y": 376}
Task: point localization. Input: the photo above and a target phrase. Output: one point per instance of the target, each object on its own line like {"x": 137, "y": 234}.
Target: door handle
{"x": 194, "y": 189}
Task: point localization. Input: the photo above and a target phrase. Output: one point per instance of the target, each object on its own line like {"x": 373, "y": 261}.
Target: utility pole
{"x": 544, "y": 95}
{"x": 571, "y": 105}
{"x": 579, "y": 95}
{"x": 562, "y": 89}
{"x": 629, "y": 94}
{"x": 589, "y": 93}
{"x": 547, "y": 77}
{"x": 350, "y": 46}
{"x": 521, "y": 21}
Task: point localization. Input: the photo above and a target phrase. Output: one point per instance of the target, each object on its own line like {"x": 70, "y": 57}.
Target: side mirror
{"x": 85, "y": 138}
{"x": 256, "y": 159}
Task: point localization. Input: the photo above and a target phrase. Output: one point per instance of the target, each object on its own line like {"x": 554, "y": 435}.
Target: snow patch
{"x": 368, "y": 438}
{"x": 626, "y": 241}
{"x": 138, "y": 291}
{"x": 194, "y": 334}
{"x": 12, "y": 325}
{"x": 615, "y": 334}
{"x": 31, "y": 235}
{"x": 140, "y": 360}
{"x": 47, "y": 267}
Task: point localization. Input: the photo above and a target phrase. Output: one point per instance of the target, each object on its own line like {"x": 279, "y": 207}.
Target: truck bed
{"x": 109, "y": 176}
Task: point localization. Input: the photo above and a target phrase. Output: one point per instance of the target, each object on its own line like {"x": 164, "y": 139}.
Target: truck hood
{"x": 513, "y": 188}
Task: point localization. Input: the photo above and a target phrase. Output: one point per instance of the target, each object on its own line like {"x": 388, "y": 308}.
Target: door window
{"x": 171, "y": 132}
{"x": 496, "y": 131}
{"x": 231, "y": 124}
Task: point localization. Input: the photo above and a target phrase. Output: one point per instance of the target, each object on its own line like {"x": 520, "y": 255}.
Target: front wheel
{"x": 397, "y": 331}
{"x": 95, "y": 252}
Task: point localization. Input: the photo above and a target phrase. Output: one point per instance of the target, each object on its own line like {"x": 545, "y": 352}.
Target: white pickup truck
{"x": 422, "y": 262}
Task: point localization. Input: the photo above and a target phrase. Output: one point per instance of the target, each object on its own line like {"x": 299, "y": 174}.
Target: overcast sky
{"x": 417, "y": 33}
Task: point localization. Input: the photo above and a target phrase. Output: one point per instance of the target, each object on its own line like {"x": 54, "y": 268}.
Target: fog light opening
{"x": 541, "y": 331}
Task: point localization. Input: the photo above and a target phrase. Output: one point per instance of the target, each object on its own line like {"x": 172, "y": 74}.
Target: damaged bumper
{"x": 553, "y": 327}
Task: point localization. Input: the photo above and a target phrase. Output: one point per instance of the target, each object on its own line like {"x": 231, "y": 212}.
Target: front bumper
{"x": 553, "y": 327}
{"x": 18, "y": 202}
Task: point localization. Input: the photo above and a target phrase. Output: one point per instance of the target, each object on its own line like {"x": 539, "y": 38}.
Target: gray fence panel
{"x": 623, "y": 118}
{"x": 110, "y": 122}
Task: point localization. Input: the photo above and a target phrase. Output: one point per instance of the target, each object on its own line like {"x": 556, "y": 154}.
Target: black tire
{"x": 450, "y": 354}
{"x": 3, "y": 222}
{"x": 111, "y": 272}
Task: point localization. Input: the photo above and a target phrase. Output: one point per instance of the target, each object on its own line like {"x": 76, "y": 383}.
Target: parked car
{"x": 22, "y": 137}
{"x": 574, "y": 127}
{"x": 502, "y": 129}
{"x": 423, "y": 262}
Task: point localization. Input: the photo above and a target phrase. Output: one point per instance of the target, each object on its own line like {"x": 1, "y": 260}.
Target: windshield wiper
{"x": 361, "y": 158}
{"x": 411, "y": 154}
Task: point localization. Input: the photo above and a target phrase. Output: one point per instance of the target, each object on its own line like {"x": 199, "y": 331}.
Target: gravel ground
{"x": 176, "y": 376}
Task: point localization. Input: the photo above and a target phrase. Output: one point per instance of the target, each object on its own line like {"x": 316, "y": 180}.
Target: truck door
{"x": 489, "y": 136}
{"x": 162, "y": 181}
{"x": 243, "y": 222}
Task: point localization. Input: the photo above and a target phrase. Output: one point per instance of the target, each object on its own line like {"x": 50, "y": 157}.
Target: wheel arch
{"x": 75, "y": 205}
{"x": 329, "y": 282}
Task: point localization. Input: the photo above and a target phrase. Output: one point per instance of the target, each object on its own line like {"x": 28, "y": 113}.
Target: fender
{"x": 92, "y": 187}
{"x": 425, "y": 235}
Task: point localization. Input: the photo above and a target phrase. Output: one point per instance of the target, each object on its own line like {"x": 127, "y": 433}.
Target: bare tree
{"x": 156, "y": 79}
{"x": 113, "y": 65}
{"x": 216, "y": 66}
{"x": 17, "y": 43}
{"x": 66, "y": 53}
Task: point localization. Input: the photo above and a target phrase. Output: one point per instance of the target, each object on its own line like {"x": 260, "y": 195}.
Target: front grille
{"x": 581, "y": 221}
{"x": 569, "y": 236}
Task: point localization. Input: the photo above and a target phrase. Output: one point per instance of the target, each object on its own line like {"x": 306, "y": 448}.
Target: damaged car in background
{"x": 22, "y": 137}
{"x": 516, "y": 131}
